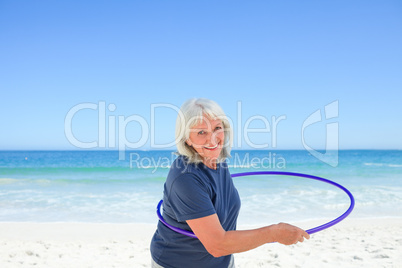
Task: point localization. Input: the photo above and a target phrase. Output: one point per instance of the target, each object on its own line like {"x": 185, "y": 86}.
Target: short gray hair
{"x": 191, "y": 113}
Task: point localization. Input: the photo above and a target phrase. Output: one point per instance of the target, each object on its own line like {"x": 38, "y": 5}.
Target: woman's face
{"x": 207, "y": 138}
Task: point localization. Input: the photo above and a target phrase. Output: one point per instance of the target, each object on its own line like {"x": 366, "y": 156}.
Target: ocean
{"x": 95, "y": 186}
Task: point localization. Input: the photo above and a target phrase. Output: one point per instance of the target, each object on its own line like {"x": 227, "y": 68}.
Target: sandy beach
{"x": 351, "y": 243}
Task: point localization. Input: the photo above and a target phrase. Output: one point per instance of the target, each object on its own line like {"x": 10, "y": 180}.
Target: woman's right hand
{"x": 288, "y": 234}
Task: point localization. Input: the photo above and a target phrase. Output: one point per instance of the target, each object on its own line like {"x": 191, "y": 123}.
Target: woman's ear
{"x": 189, "y": 143}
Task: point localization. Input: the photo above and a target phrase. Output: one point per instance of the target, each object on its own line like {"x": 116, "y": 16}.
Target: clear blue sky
{"x": 277, "y": 58}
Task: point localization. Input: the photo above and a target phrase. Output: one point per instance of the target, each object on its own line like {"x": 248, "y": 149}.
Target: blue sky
{"x": 271, "y": 58}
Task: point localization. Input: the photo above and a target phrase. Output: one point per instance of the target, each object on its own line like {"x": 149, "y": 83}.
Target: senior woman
{"x": 199, "y": 196}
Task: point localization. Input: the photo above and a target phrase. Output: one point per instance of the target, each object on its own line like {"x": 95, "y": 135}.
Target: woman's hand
{"x": 288, "y": 234}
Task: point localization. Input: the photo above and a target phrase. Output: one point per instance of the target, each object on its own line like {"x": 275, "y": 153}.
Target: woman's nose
{"x": 211, "y": 138}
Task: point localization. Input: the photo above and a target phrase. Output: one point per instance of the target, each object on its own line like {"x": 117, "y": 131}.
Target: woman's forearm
{"x": 219, "y": 242}
{"x": 244, "y": 240}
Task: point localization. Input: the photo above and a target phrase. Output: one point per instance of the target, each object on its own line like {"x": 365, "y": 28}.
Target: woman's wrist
{"x": 271, "y": 233}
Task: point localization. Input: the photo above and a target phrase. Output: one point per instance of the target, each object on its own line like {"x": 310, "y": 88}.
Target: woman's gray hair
{"x": 192, "y": 113}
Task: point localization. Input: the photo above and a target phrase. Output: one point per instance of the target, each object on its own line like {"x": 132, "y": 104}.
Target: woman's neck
{"x": 211, "y": 163}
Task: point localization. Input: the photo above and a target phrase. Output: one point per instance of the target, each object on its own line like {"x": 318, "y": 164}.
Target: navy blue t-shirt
{"x": 194, "y": 191}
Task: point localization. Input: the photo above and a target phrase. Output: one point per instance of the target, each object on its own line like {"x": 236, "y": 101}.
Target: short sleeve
{"x": 190, "y": 198}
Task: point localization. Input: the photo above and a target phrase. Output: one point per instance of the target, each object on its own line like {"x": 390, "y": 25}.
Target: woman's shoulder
{"x": 184, "y": 173}
{"x": 180, "y": 166}
{"x": 181, "y": 163}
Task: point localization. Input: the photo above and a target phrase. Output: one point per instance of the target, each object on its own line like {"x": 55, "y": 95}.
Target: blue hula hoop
{"x": 282, "y": 173}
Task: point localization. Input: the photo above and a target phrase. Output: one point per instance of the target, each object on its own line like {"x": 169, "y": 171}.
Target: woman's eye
{"x": 202, "y": 132}
{"x": 218, "y": 128}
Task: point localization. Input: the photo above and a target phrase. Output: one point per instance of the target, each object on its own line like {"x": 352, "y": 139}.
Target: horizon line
{"x": 250, "y": 149}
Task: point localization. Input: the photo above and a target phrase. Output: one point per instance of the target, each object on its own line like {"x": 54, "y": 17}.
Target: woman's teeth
{"x": 211, "y": 148}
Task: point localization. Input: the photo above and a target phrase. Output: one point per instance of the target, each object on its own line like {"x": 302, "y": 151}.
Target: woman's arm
{"x": 219, "y": 242}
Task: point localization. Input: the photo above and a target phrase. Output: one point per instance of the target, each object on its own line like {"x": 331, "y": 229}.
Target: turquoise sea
{"x": 95, "y": 186}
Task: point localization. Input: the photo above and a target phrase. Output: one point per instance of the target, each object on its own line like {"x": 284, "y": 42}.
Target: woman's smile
{"x": 212, "y": 148}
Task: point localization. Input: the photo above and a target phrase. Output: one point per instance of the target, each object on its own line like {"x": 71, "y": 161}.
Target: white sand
{"x": 351, "y": 243}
